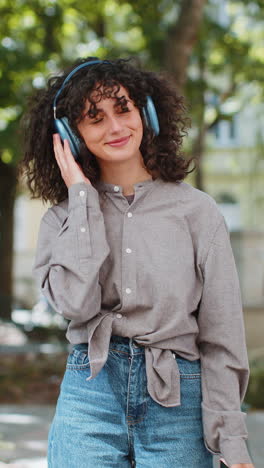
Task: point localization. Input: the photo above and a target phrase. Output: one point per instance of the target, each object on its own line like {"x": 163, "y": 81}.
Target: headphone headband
{"x": 68, "y": 77}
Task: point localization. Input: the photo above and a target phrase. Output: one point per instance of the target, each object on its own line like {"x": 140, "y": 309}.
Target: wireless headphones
{"x": 62, "y": 125}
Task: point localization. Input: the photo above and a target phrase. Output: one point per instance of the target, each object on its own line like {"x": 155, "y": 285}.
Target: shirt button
{"x": 128, "y": 250}
{"x": 83, "y": 229}
{"x": 128, "y": 290}
{"x": 129, "y": 215}
{"x": 82, "y": 193}
{"x": 116, "y": 188}
{"x": 119, "y": 315}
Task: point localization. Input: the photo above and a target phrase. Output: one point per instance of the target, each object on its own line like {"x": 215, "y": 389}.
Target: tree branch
{"x": 181, "y": 39}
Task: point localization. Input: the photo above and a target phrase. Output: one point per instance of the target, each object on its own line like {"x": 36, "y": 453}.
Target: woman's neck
{"x": 127, "y": 180}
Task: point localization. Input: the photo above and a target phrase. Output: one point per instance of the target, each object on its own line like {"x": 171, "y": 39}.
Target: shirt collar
{"x": 102, "y": 186}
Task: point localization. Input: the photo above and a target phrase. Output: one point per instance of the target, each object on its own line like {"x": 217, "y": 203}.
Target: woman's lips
{"x": 119, "y": 142}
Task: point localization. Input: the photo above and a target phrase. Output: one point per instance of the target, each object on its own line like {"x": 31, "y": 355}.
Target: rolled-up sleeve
{"x": 70, "y": 253}
{"x": 224, "y": 360}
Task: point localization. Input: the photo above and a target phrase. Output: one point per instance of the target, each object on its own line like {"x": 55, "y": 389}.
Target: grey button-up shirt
{"x": 162, "y": 271}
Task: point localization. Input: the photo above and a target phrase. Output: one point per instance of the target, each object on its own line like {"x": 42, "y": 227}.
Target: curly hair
{"x": 161, "y": 154}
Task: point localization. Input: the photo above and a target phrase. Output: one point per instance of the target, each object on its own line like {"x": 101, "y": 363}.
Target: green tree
{"x": 212, "y": 50}
{"x": 29, "y": 41}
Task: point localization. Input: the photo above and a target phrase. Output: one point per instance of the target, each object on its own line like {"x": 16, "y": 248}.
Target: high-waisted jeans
{"x": 111, "y": 420}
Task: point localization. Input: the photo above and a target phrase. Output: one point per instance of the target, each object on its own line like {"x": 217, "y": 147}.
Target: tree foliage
{"x": 40, "y": 36}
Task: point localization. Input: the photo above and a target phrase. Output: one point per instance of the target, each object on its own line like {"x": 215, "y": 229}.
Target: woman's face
{"x": 115, "y": 132}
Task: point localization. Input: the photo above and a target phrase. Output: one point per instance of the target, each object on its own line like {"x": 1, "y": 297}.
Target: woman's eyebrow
{"x": 92, "y": 113}
{"x": 123, "y": 100}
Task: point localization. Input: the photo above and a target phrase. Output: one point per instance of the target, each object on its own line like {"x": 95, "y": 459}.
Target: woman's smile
{"x": 119, "y": 142}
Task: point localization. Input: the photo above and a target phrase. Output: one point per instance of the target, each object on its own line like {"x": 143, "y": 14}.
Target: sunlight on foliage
{"x": 7, "y": 115}
{"x": 90, "y": 48}
{"x": 6, "y": 156}
{"x": 216, "y": 57}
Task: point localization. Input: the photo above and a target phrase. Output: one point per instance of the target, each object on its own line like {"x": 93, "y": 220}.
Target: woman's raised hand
{"x": 71, "y": 172}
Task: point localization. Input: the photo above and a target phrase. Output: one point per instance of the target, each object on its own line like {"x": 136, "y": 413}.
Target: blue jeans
{"x": 111, "y": 421}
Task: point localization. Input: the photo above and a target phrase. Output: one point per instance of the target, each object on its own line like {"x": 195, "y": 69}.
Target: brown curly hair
{"x": 161, "y": 154}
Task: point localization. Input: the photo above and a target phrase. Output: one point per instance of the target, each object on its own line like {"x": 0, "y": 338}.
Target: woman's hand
{"x": 71, "y": 172}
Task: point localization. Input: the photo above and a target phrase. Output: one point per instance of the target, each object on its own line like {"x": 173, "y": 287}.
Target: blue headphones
{"x": 62, "y": 125}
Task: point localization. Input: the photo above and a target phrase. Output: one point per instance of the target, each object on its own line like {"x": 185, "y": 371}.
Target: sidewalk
{"x": 24, "y": 430}
{"x": 23, "y": 435}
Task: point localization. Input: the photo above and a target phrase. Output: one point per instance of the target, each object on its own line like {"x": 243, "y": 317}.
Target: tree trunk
{"x": 181, "y": 40}
{"x": 7, "y": 199}
{"x": 198, "y": 146}
{"x": 198, "y": 151}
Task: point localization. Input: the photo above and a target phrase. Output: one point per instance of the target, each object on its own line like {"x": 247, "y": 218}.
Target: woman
{"x": 141, "y": 265}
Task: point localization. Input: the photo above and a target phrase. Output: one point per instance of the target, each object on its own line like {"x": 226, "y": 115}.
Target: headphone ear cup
{"x": 150, "y": 116}
{"x": 63, "y": 128}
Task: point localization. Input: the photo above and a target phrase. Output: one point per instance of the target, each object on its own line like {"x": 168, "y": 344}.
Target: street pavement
{"x": 24, "y": 430}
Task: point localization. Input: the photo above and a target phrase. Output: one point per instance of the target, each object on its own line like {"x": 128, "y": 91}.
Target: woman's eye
{"x": 96, "y": 121}
{"x": 122, "y": 111}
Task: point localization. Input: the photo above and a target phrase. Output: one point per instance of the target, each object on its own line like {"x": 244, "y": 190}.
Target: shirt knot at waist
{"x": 163, "y": 376}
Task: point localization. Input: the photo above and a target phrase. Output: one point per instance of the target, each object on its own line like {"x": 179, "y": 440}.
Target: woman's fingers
{"x": 68, "y": 153}
{"x": 59, "y": 151}
{"x": 71, "y": 171}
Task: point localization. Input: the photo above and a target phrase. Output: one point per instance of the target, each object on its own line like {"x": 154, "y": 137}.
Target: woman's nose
{"x": 114, "y": 123}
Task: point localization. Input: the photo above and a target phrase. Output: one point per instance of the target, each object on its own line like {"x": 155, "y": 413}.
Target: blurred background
{"x": 214, "y": 52}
